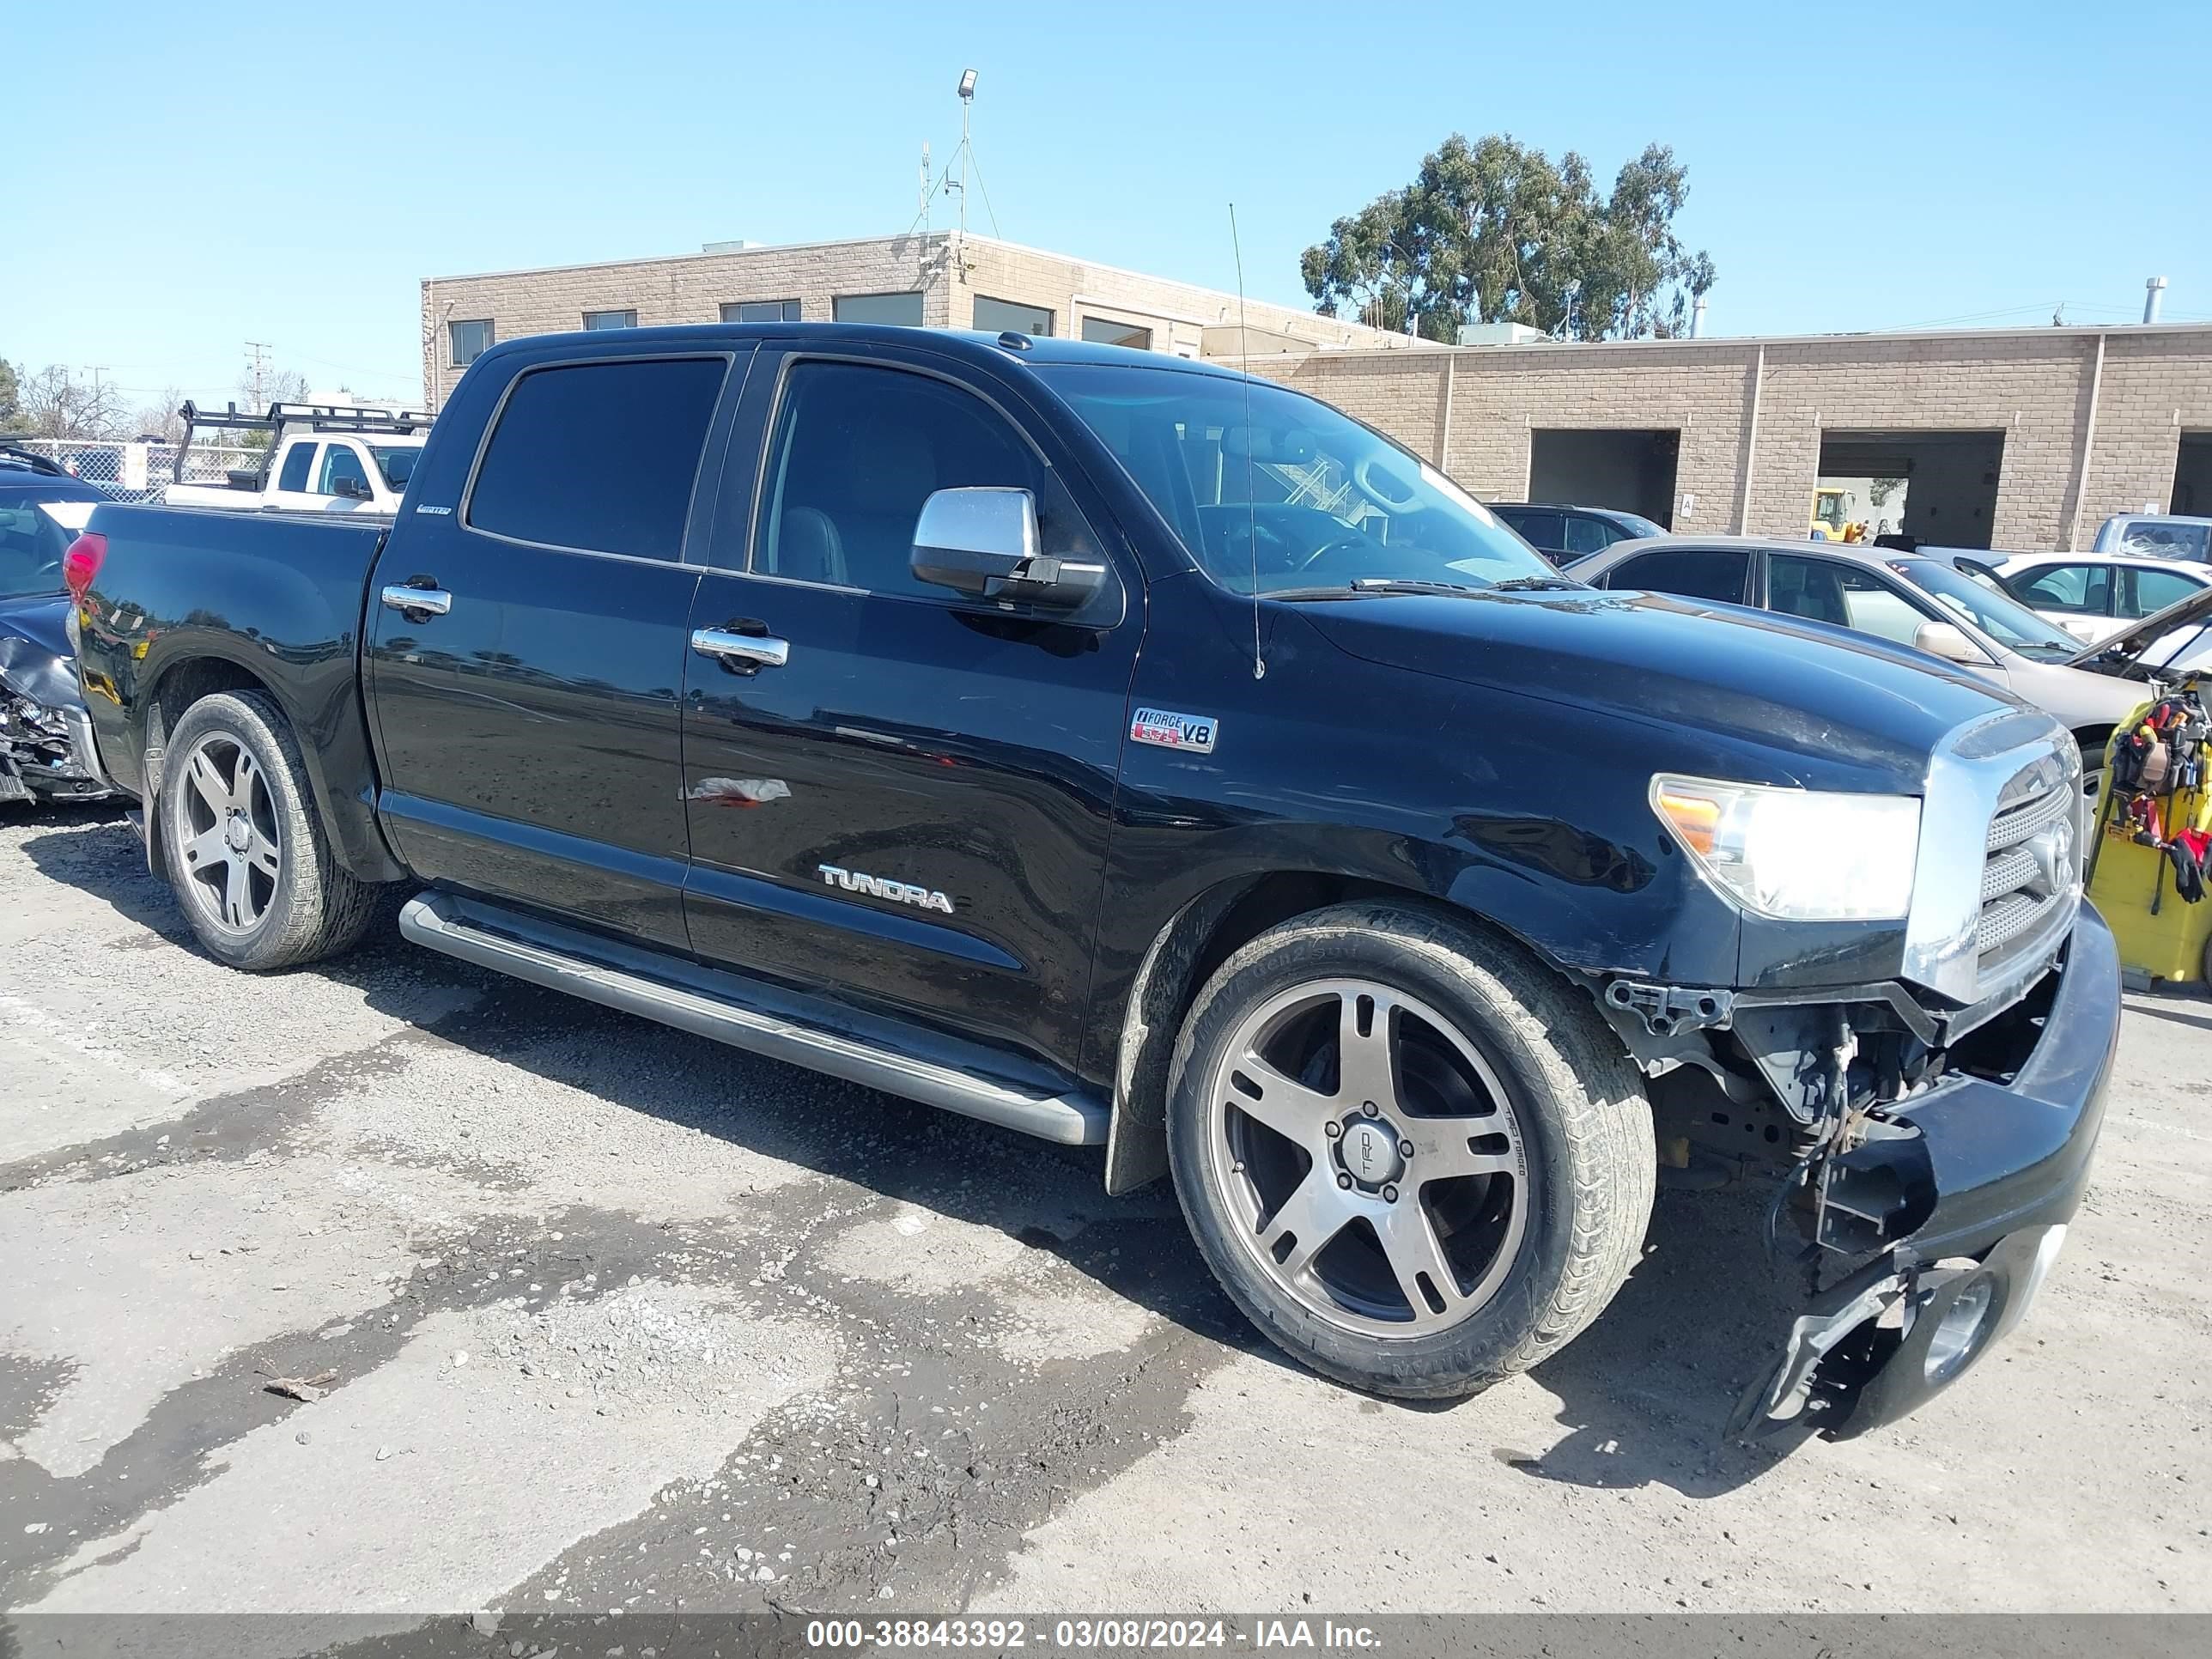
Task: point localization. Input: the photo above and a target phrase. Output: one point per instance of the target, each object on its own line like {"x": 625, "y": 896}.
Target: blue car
{"x": 45, "y": 740}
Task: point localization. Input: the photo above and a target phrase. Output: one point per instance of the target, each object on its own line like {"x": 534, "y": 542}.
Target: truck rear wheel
{"x": 246, "y": 853}
{"x": 1417, "y": 1159}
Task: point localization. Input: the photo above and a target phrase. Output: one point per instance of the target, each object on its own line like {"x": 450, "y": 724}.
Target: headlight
{"x": 1796, "y": 854}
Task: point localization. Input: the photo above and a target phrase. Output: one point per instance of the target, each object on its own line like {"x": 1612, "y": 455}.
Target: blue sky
{"x": 289, "y": 174}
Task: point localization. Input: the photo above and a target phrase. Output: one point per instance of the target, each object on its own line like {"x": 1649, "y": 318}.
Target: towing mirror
{"x": 1940, "y": 639}
{"x": 983, "y": 542}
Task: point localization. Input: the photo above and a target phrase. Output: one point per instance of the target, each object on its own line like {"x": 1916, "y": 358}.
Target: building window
{"x": 469, "y": 341}
{"x": 611, "y": 320}
{"x": 1104, "y": 331}
{"x": 903, "y": 309}
{"x": 761, "y": 311}
{"x": 997, "y": 316}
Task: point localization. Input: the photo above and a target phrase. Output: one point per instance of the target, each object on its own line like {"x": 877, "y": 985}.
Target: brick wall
{"x": 2032, "y": 387}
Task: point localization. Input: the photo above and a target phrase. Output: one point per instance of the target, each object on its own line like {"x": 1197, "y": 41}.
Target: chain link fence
{"x": 132, "y": 472}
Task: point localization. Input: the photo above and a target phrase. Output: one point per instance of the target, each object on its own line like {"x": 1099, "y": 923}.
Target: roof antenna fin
{"x": 1251, "y": 498}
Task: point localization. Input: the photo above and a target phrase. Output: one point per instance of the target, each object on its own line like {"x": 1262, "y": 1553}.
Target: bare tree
{"x": 56, "y": 404}
{"x": 160, "y": 420}
{"x": 278, "y": 385}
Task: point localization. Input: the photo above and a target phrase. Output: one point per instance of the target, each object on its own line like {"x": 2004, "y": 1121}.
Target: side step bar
{"x": 747, "y": 1014}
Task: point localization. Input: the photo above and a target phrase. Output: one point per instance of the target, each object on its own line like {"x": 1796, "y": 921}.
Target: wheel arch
{"x": 356, "y": 839}
{"x": 1184, "y": 954}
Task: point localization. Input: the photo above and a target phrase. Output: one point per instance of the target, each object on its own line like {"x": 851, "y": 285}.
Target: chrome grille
{"x": 2029, "y": 871}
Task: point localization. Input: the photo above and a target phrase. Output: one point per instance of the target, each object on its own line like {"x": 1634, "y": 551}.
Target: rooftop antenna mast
{"x": 965, "y": 155}
{"x": 923, "y": 196}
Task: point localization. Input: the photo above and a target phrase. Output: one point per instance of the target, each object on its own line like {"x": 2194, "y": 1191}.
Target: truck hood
{"x": 1802, "y": 687}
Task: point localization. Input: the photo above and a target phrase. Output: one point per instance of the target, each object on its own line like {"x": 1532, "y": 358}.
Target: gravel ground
{"x": 613, "y": 1317}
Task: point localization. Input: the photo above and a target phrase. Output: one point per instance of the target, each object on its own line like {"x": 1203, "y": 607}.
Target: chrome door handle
{"x": 762, "y": 650}
{"x": 435, "y": 601}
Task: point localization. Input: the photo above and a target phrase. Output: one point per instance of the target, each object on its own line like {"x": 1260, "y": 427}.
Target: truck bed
{"x": 171, "y": 580}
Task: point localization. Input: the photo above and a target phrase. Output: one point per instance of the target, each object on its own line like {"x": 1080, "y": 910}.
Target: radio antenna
{"x": 1251, "y": 505}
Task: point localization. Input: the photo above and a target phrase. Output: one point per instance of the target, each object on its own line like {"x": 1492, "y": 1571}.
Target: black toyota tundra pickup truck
{"x": 1125, "y": 751}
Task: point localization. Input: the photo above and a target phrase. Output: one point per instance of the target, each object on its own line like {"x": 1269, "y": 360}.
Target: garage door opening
{"x": 1939, "y": 487}
{"x": 2192, "y": 476}
{"x": 1631, "y": 470}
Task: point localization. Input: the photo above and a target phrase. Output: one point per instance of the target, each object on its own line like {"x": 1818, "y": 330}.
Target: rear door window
{"x": 297, "y": 459}
{"x": 598, "y": 458}
{"x": 1696, "y": 572}
{"x": 2143, "y": 591}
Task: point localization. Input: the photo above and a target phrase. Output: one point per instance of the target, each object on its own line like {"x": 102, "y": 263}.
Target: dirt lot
{"x": 619, "y": 1318}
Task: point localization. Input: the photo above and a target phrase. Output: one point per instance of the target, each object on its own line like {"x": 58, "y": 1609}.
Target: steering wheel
{"x": 1351, "y": 542}
{"x": 51, "y": 568}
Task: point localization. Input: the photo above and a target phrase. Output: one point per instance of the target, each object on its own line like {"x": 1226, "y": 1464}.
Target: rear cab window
{"x": 298, "y": 459}
{"x": 1697, "y": 573}
{"x": 598, "y": 457}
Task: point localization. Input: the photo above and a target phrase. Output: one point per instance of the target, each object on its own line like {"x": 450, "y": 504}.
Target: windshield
{"x": 34, "y": 536}
{"x": 397, "y": 464}
{"x": 1274, "y": 492}
{"x": 1636, "y": 524}
{"x": 2003, "y": 618}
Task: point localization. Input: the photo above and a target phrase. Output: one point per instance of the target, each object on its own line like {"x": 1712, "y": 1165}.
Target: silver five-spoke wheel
{"x": 1370, "y": 1158}
{"x": 229, "y": 849}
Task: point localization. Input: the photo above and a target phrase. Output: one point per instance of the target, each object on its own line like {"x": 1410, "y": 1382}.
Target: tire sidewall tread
{"x": 1584, "y": 1118}
{"x": 317, "y": 909}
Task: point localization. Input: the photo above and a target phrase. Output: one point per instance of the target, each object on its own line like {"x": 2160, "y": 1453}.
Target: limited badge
{"x": 1170, "y": 730}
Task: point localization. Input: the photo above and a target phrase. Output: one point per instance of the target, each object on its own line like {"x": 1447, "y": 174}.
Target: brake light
{"x": 82, "y": 563}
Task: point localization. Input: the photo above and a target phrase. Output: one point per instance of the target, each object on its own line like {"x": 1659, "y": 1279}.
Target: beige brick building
{"x": 2023, "y": 439}
{"x": 935, "y": 280}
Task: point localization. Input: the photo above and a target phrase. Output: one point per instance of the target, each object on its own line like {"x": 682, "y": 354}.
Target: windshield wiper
{"x": 1410, "y": 585}
{"x": 1534, "y": 584}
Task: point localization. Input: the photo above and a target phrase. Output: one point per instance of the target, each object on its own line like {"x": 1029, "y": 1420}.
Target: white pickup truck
{"x": 321, "y": 458}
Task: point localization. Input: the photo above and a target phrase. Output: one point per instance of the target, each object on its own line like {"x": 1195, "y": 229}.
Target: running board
{"x": 748, "y": 1014}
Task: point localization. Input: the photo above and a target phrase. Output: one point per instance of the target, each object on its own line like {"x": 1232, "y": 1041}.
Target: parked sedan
{"x": 1564, "y": 534}
{"x": 1900, "y": 597}
{"x": 2095, "y": 596}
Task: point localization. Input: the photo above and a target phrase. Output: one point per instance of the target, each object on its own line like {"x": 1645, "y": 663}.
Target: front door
{"x": 912, "y": 806}
{"x": 527, "y": 715}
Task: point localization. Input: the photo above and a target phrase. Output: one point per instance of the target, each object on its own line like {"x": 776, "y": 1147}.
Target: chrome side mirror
{"x": 982, "y": 542}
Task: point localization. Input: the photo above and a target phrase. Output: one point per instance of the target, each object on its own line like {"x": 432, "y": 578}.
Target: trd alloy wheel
{"x": 1371, "y": 1156}
{"x": 1415, "y": 1156}
{"x": 229, "y": 852}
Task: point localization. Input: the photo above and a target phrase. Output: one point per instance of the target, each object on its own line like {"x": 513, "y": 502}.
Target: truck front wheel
{"x": 246, "y": 852}
{"x": 1415, "y": 1158}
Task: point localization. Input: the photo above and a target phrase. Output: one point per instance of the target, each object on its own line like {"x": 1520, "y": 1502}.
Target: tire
{"x": 1513, "y": 1096}
{"x": 270, "y": 895}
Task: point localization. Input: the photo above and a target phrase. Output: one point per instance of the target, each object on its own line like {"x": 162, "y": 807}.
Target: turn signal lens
{"x": 82, "y": 563}
{"x": 1693, "y": 818}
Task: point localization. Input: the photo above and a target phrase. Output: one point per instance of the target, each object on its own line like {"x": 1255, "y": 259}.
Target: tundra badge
{"x": 905, "y": 893}
{"x": 1170, "y": 731}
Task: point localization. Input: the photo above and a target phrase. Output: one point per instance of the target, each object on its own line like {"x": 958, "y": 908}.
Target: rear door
{"x": 527, "y": 715}
{"x": 911, "y": 806}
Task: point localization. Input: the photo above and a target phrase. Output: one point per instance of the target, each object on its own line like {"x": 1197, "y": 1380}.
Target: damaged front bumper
{"x": 1961, "y": 1196}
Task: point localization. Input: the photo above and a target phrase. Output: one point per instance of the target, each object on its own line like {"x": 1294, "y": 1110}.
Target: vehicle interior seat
{"x": 1804, "y": 587}
{"x": 808, "y": 547}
